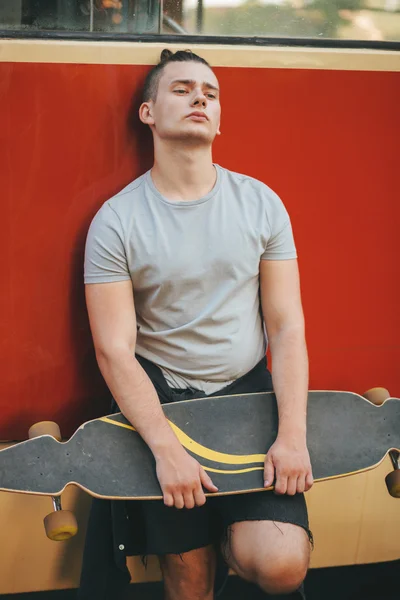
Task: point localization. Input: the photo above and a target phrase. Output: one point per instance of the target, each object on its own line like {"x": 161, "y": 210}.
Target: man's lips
{"x": 197, "y": 116}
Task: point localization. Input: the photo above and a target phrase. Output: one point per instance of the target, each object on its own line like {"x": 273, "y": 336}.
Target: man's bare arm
{"x": 284, "y": 320}
{"x": 113, "y": 324}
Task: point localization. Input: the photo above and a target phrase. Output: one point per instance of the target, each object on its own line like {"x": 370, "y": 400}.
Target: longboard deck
{"x": 228, "y": 435}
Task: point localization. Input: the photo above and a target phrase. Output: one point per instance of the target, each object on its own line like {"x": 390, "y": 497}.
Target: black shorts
{"x": 158, "y": 529}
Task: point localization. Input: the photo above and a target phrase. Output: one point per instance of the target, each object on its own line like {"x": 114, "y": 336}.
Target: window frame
{"x": 200, "y": 39}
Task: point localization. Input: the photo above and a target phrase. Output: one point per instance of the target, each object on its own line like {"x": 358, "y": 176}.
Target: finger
{"x": 281, "y": 484}
{"x": 189, "y": 500}
{"x": 206, "y": 481}
{"x": 309, "y": 481}
{"x": 199, "y": 496}
{"x": 179, "y": 501}
{"x": 168, "y": 499}
{"x": 269, "y": 473}
{"x": 291, "y": 487}
{"x": 301, "y": 484}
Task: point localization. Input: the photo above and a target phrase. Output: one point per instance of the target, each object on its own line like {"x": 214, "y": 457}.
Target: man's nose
{"x": 199, "y": 99}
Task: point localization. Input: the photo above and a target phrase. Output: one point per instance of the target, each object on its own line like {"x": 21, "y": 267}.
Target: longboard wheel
{"x": 393, "y": 483}
{"x": 60, "y": 525}
{"x": 377, "y": 395}
{"x": 45, "y": 428}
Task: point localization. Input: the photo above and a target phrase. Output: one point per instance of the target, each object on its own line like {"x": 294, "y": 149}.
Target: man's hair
{"x": 152, "y": 80}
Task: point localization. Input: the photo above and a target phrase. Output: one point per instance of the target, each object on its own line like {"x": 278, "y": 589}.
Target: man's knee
{"x": 282, "y": 575}
{"x": 275, "y": 557}
{"x": 188, "y": 577}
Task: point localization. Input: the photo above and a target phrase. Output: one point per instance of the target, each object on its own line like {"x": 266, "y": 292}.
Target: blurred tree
{"x": 294, "y": 18}
{"x": 330, "y": 13}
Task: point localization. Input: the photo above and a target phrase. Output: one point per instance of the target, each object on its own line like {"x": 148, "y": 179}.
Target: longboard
{"x": 228, "y": 435}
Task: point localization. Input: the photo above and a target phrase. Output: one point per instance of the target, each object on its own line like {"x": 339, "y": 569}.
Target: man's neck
{"x": 182, "y": 173}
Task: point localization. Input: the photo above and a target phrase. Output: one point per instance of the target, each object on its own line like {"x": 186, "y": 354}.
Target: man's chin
{"x": 195, "y": 138}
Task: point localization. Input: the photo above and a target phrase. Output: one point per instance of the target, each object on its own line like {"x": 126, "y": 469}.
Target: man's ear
{"x": 145, "y": 113}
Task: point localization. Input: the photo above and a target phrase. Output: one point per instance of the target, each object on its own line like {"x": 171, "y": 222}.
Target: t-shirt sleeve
{"x": 105, "y": 256}
{"x": 278, "y": 240}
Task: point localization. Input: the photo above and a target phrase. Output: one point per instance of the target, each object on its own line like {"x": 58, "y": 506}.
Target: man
{"x": 179, "y": 267}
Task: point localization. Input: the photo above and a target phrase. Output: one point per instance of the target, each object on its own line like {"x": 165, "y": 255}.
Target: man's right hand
{"x": 181, "y": 479}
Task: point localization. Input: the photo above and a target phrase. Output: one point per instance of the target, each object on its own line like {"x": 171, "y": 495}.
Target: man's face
{"x": 187, "y": 105}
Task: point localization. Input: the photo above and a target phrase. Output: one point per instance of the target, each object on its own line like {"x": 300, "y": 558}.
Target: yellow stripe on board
{"x": 233, "y": 471}
{"x": 107, "y": 420}
{"x": 200, "y": 450}
{"x": 229, "y": 459}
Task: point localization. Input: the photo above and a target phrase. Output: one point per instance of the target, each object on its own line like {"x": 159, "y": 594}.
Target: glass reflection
{"x": 346, "y": 19}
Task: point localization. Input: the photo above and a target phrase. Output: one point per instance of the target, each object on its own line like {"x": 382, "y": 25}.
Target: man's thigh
{"x": 258, "y": 524}
{"x": 267, "y": 539}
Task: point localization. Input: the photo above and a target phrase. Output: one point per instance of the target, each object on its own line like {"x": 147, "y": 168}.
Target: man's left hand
{"x": 288, "y": 463}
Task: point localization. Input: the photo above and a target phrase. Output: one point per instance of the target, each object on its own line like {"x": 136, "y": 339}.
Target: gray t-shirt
{"x": 194, "y": 267}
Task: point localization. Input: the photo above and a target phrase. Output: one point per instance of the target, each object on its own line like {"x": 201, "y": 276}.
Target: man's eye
{"x": 213, "y": 96}
{"x": 180, "y": 91}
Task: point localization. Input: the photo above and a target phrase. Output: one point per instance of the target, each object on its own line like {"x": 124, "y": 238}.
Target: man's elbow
{"x": 291, "y": 331}
{"x": 115, "y": 351}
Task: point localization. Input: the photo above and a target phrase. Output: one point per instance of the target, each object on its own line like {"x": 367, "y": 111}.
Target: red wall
{"x": 324, "y": 140}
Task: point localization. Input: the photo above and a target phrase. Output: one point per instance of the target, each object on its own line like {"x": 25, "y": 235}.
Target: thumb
{"x": 269, "y": 472}
{"x": 206, "y": 481}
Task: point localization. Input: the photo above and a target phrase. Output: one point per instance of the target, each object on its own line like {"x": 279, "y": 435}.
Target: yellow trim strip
{"x": 200, "y": 450}
{"x": 112, "y": 422}
{"x": 233, "y": 472}
{"x": 136, "y": 53}
{"x": 230, "y": 459}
